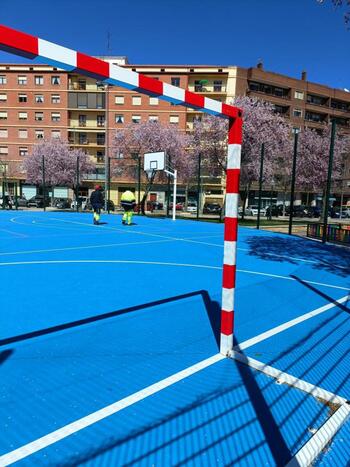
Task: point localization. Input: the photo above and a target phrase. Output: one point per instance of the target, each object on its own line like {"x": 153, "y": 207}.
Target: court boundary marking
{"x": 314, "y": 445}
{"x": 189, "y": 240}
{"x": 162, "y": 263}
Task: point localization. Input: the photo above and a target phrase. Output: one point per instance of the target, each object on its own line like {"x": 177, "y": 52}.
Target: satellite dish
{"x": 346, "y": 90}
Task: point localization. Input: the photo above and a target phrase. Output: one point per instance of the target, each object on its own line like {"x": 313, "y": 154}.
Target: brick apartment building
{"x": 39, "y": 101}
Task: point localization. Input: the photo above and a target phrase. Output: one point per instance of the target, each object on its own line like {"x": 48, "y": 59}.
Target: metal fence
{"x": 336, "y": 233}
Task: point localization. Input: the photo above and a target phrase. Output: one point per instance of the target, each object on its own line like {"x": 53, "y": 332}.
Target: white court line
{"x": 107, "y": 245}
{"x": 204, "y": 243}
{"x": 111, "y": 409}
{"x": 312, "y": 448}
{"x": 293, "y": 322}
{"x": 49, "y": 250}
{"x": 80, "y": 424}
{"x": 161, "y": 263}
{"x": 14, "y": 233}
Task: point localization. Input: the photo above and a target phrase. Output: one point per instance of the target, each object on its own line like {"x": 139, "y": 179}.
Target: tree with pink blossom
{"x": 133, "y": 141}
{"x": 60, "y": 163}
{"x": 261, "y": 124}
{"x": 313, "y": 158}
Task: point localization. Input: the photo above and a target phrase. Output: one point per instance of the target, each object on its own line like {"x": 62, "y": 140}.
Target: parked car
{"x": 38, "y": 201}
{"x": 22, "y": 201}
{"x": 82, "y": 200}
{"x": 62, "y": 203}
{"x": 276, "y": 210}
{"x": 253, "y": 210}
{"x": 313, "y": 211}
{"x": 178, "y": 207}
{"x": 212, "y": 208}
{"x": 191, "y": 207}
{"x": 335, "y": 213}
{"x": 154, "y": 205}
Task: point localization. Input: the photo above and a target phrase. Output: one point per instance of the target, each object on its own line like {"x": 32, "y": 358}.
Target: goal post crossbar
{"x": 40, "y": 50}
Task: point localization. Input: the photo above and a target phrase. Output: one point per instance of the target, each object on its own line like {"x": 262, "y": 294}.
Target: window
{"x": 198, "y": 86}
{"x": 81, "y": 84}
{"x": 100, "y": 155}
{"x": 39, "y": 98}
{"x": 3, "y": 97}
{"x": 298, "y": 95}
{"x": 4, "y": 150}
{"x": 39, "y": 80}
{"x": 153, "y": 118}
{"x": 136, "y": 118}
{"x": 100, "y": 139}
{"x": 55, "y": 98}
{"x": 136, "y": 100}
{"x": 3, "y": 133}
{"x": 83, "y": 138}
{"x": 119, "y": 118}
{"x": 55, "y": 80}
{"x": 153, "y": 101}
{"x": 22, "y": 115}
{"x": 217, "y": 86}
{"x": 39, "y": 134}
{"x": 175, "y": 81}
{"x": 23, "y": 152}
{"x": 100, "y": 120}
{"x": 55, "y": 116}
{"x": 82, "y": 120}
{"x": 39, "y": 116}
{"x": 174, "y": 119}
{"x": 119, "y": 100}
{"x": 22, "y": 80}
{"x": 23, "y": 134}
{"x": 3, "y": 79}
{"x": 3, "y": 115}
{"x": 22, "y": 97}
{"x": 297, "y": 113}
{"x": 55, "y": 134}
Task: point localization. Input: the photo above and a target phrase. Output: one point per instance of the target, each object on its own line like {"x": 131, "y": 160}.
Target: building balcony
{"x": 208, "y": 90}
{"x": 75, "y": 86}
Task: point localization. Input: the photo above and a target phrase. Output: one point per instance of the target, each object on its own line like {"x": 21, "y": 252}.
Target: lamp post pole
{"x": 328, "y": 187}
{"x": 262, "y": 155}
{"x": 292, "y": 190}
{"x": 44, "y": 187}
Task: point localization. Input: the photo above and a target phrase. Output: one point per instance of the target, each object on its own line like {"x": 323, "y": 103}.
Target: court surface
{"x": 109, "y": 344}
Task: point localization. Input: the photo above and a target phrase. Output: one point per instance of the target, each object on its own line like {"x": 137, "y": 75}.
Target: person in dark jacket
{"x": 97, "y": 201}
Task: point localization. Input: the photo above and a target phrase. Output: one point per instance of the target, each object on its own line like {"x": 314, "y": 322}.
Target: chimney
{"x": 260, "y": 65}
{"x": 303, "y": 75}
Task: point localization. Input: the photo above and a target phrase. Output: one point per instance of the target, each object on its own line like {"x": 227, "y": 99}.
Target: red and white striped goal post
{"x": 40, "y": 50}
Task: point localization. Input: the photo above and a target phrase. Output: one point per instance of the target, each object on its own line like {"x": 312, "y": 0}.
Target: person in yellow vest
{"x": 128, "y": 203}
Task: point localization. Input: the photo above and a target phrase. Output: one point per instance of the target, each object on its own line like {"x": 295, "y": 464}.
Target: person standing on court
{"x": 97, "y": 201}
{"x": 128, "y": 203}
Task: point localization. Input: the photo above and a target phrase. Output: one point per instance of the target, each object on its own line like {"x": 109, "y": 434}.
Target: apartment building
{"x": 40, "y": 101}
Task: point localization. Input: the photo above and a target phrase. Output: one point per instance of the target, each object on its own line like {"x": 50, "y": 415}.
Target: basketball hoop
{"x": 149, "y": 173}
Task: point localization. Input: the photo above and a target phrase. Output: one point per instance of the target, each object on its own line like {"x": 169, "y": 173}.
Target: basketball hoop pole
{"x": 174, "y": 175}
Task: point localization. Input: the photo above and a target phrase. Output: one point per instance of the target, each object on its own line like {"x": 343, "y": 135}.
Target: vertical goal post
{"x": 42, "y": 51}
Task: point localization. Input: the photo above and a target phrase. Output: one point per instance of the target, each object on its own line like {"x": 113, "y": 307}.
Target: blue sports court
{"x": 109, "y": 344}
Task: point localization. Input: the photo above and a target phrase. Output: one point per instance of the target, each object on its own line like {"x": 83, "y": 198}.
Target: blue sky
{"x": 288, "y": 35}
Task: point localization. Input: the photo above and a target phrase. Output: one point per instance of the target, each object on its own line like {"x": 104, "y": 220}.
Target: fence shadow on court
{"x": 280, "y": 249}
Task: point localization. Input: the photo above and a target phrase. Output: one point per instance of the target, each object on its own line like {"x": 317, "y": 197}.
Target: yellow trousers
{"x": 127, "y": 217}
